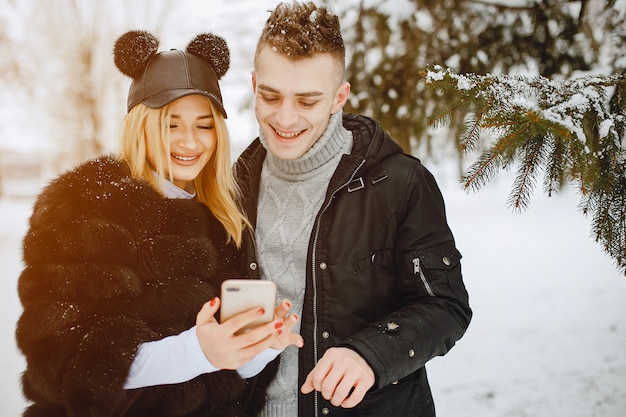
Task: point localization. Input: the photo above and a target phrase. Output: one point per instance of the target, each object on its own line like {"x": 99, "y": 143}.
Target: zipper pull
{"x": 416, "y": 266}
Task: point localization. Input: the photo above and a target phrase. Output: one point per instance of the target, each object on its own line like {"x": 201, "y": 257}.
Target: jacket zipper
{"x": 314, "y": 275}
{"x": 417, "y": 269}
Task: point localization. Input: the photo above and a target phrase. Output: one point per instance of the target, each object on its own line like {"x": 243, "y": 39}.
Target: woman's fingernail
{"x": 278, "y": 325}
{"x": 213, "y": 301}
{"x": 278, "y": 332}
{"x": 261, "y": 311}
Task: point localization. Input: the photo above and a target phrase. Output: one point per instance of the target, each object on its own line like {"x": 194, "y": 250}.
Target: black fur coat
{"x": 110, "y": 264}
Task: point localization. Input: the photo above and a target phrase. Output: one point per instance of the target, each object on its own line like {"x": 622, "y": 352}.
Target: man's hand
{"x": 342, "y": 376}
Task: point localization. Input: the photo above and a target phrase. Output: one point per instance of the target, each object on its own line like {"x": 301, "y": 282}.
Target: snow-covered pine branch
{"x": 569, "y": 130}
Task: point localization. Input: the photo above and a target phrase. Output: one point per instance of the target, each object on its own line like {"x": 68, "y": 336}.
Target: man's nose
{"x": 286, "y": 115}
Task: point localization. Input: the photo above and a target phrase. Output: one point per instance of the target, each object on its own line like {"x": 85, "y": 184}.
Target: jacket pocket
{"x": 431, "y": 269}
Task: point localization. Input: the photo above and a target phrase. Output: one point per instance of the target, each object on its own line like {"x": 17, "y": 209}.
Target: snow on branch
{"x": 571, "y": 130}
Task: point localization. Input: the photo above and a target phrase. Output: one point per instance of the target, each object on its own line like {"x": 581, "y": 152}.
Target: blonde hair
{"x": 215, "y": 185}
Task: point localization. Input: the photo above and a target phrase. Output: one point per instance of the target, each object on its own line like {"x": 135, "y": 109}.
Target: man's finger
{"x": 330, "y": 384}
{"x": 308, "y": 385}
{"x": 357, "y": 395}
{"x": 316, "y": 377}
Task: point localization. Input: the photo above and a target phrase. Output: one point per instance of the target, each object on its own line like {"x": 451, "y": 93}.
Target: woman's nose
{"x": 187, "y": 139}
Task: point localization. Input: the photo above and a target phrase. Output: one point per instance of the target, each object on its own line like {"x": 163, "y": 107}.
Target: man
{"x": 350, "y": 228}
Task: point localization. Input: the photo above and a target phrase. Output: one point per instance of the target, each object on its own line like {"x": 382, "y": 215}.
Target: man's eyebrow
{"x": 269, "y": 89}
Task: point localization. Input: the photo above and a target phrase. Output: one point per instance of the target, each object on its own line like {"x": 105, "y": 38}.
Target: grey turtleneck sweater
{"x": 290, "y": 196}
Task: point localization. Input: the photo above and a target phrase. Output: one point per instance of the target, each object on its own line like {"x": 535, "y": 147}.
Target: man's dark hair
{"x": 302, "y": 30}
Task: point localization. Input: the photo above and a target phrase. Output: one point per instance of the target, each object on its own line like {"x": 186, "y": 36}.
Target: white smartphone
{"x": 239, "y": 295}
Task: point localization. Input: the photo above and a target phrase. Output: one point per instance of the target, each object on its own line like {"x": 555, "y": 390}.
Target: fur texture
{"x": 134, "y": 49}
{"x": 110, "y": 264}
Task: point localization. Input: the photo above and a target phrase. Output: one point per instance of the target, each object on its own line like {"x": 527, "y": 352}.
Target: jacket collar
{"x": 372, "y": 144}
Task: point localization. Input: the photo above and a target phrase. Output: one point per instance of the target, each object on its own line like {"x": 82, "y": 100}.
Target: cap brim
{"x": 159, "y": 100}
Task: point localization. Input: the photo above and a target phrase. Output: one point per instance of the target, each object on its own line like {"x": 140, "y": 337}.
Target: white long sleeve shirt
{"x": 179, "y": 358}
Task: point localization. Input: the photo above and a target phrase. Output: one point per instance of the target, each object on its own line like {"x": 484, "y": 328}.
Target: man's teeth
{"x": 184, "y": 158}
{"x": 288, "y": 135}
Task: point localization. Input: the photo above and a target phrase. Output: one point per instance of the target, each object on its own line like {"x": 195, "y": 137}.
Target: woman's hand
{"x": 228, "y": 348}
{"x": 223, "y": 344}
{"x": 284, "y": 336}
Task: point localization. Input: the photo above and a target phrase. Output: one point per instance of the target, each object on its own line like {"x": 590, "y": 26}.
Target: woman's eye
{"x": 206, "y": 127}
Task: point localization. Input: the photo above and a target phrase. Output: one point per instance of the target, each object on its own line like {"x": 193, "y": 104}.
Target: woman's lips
{"x": 185, "y": 159}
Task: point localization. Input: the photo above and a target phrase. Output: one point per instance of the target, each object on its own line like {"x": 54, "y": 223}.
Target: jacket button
{"x": 325, "y": 411}
{"x": 325, "y": 334}
{"x": 323, "y": 265}
{"x": 411, "y": 353}
{"x": 446, "y": 261}
{"x": 253, "y": 266}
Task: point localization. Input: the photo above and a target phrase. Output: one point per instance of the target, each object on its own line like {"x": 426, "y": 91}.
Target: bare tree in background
{"x": 64, "y": 61}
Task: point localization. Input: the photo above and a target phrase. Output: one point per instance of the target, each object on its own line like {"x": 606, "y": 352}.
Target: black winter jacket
{"x": 109, "y": 264}
{"x": 383, "y": 274}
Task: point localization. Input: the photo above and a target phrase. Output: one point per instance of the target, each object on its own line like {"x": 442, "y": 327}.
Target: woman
{"x": 124, "y": 257}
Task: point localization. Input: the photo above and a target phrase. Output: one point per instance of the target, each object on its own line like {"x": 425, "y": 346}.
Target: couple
{"x": 125, "y": 255}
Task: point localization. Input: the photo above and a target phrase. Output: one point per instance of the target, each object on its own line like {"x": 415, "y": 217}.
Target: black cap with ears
{"x": 160, "y": 78}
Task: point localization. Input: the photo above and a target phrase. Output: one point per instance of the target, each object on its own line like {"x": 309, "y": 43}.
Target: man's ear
{"x": 341, "y": 97}
{"x": 253, "y": 76}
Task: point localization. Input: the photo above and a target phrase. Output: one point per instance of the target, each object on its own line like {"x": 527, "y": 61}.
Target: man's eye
{"x": 269, "y": 99}
{"x": 308, "y": 104}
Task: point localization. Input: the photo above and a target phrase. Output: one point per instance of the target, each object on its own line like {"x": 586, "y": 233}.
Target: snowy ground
{"x": 548, "y": 336}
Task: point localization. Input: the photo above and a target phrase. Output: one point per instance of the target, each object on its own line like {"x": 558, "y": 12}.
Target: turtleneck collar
{"x": 335, "y": 139}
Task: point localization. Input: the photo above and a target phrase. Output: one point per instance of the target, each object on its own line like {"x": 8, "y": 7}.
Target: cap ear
{"x": 213, "y": 49}
{"x": 133, "y": 50}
